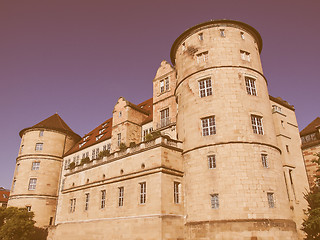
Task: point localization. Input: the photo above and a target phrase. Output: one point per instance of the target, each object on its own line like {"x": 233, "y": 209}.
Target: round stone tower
{"x": 36, "y": 178}
{"x": 234, "y": 184}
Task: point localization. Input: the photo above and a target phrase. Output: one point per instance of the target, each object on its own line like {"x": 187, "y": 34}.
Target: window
{"x": 287, "y": 148}
{"x": 51, "y": 221}
{"x": 72, "y": 205}
{"x": 119, "y": 139}
{"x": 264, "y": 160}
{"x": 164, "y": 117}
{"x": 270, "y": 197}
{"x": 39, "y": 146}
{"x": 35, "y": 166}
{"x": 121, "y": 195}
{"x": 242, "y": 35}
{"x": 183, "y": 46}
{"x": 86, "y": 207}
{"x": 28, "y": 208}
{"x": 202, "y": 57}
{"x": 291, "y": 182}
{"x": 13, "y": 185}
{"x": 276, "y": 108}
{"x": 109, "y": 146}
{"x": 18, "y": 166}
{"x": 143, "y": 192}
{"x": 98, "y": 137}
{"x": 164, "y": 85}
{"x": 245, "y": 55}
{"x": 176, "y": 192}
{"x": 21, "y": 149}
{"x": 32, "y": 184}
{"x": 212, "y": 161}
{"x": 257, "y": 124}
{"x": 81, "y": 144}
{"x": 78, "y": 160}
{"x": 146, "y": 132}
{"x": 97, "y": 152}
{"x": 93, "y": 154}
{"x": 251, "y": 86}
{"x": 103, "y": 198}
{"x": 41, "y": 133}
{"x": 104, "y": 148}
{"x": 222, "y": 33}
{"x": 205, "y": 88}
{"x": 120, "y": 114}
{"x": 200, "y": 36}
{"x": 215, "y": 201}
{"x": 208, "y": 126}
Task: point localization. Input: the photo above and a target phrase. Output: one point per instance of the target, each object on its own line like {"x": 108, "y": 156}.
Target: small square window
{"x": 251, "y": 86}
{"x": 35, "y": 166}
{"x": 208, "y": 126}
{"x": 32, "y": 184}
{"x": 215, "y": 201}
{"x": 39, "y": 146}
{"x": 245, "y": 55}
{"x": 205, "y": 87}
{"x": 200, "y": 36}
{"x": 256, "y": 122}
{"x": 222, "y": 33}
{"x": 202, "y": 57}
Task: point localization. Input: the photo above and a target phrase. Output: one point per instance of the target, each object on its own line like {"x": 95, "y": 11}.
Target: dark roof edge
{"x": 72, "y": 134}
{"x": 282, "y": 102}
{"x": 249, "y": 28}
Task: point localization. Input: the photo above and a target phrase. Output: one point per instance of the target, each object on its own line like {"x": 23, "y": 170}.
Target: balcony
{"x": 164, "y": 123}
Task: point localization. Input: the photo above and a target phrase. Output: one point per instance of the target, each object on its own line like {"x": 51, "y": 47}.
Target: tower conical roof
{"x": 53, "y": 122}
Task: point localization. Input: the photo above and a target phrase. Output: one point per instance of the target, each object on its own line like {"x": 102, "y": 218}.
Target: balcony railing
{"x": 164, "y": 122}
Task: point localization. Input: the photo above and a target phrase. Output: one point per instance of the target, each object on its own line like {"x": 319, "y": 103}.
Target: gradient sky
{"x": 77, "y": 57}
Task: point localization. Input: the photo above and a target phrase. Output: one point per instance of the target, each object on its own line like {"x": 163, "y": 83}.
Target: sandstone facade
{"x": 223, "y": 161}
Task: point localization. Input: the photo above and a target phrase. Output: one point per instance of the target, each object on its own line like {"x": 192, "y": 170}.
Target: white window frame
{"x": 73, "y": 204}
{"x": 208, "y": 125}
{"x": 35, "y": 166}
{"x": 32, "y": 184}
{"x": 251, "y": 85}
{"x": 215, "y": 204}
{"x": 257, "y": 126}
{"x": 161, "y": 86}
{"x": 205, "y": 87}
{"x": 143, "y": 192}
{"x": 164, "y": 117}
{"x": 39, "y": 147}
{"x": 212, "y": 161}
{"x": 121, "y": 196}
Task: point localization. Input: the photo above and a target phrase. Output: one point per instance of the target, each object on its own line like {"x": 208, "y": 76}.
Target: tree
{"x": 311, "y": 225}
{"x": 18, "y": 224}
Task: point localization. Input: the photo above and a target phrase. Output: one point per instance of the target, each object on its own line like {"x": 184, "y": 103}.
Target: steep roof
{"x": 104, "y": 130}
{"x": 312, "y": 127}
{"x": 53, "y": 122}
{"x": 281, "y": 102}
{"x": 4, "y": 195}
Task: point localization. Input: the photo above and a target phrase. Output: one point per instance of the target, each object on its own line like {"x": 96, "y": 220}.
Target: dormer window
{"x": 85, "y": 138}
{"x": 105, "y": 124}
{"x": 81, "y": 144}
{"x": 102, "y": 130}
{"x": 98, "y": 137}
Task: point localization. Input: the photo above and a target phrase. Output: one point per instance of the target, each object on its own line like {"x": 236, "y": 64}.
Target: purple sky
{"x": 77, "y": 57}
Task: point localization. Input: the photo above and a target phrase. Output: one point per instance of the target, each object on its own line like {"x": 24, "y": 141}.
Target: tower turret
{"x": 38, "y": 167}
{"x": 233, "y": 168}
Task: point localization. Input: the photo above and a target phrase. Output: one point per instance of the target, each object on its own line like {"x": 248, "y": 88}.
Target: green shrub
{"x": 123, "y": 146}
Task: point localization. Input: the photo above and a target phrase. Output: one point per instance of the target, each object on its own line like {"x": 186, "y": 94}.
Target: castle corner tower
{"x": 38, "y": 167}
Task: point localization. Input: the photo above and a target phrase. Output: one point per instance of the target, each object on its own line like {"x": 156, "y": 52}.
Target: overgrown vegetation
{"x": 104, "y": 153}
{"x": 311, "y": 225}
{"x": 85, "y": 160}
{"x": 151, "y": 136}
{"x": 18, "y": 224}
{"x": 123, "y": 147}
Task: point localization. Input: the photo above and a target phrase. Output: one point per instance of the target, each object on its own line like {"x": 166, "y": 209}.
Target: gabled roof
{"x": 312, "y": 127}
{"x": 53, "y": 122}
{"x": 104, "y": 130}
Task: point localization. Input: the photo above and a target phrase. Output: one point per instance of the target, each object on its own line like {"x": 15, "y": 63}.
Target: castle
{"x": 210, "y": 156}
